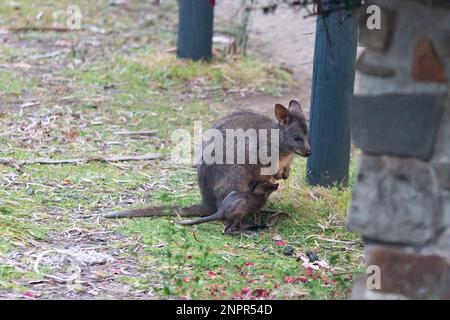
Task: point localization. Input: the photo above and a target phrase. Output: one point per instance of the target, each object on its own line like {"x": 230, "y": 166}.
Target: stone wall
{"x": 401, "y": 122}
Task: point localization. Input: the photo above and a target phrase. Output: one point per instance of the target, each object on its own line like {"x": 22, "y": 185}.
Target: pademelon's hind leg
{"x": 232, "y": 228}
{"x": 237, "y": 228}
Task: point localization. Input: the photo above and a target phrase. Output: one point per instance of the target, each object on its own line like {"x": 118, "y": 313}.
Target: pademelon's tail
{"x": 166, "y": 211}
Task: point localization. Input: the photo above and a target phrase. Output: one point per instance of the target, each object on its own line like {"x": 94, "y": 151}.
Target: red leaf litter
{"x": 237, "y": 296}
{"x": 249, "y": 264}
{"x": 280, "y": 243}
{"x": 211, "y": 274}
{"x": 260, "y": 293}
{"x": 245, "y": 290}
{"x": 28, "y": 294}
{"x": 288, "y": 279}
{"x": 186, "y": 279}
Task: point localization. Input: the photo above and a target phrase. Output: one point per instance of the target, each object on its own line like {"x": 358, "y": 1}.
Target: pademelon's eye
{"x": 297, "y": 137}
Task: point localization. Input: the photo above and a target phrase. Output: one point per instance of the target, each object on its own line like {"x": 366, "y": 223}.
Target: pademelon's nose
{"x": 308, "y": 153}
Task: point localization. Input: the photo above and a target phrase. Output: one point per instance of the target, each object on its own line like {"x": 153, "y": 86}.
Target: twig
{"x": 195, "y": 237}
{"x": 46, "y": 55}
{"x": 336, "y": 241}
{"x": 137, "y": 133}
{"x": 275, "y": 212}
{"x": 40, "y": 29}
{"x": 149, "y": 156}
{"x": 12, "y": 162}
{"x": 30, "y": 104}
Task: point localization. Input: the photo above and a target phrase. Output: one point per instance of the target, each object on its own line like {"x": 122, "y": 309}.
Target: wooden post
{"x": 332, "y": 85}
{"x": 195, "y": 29}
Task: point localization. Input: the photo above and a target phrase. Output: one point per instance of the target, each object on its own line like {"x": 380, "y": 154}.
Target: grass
{"x": 47, "y": 207}
{"x": 10, "y": 84}
{"x": 204, "y": 263}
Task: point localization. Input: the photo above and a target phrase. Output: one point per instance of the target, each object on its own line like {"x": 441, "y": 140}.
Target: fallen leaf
{"x": 21, "y": 65}
{"x": 245, "y": 290}
{"x": 260, "y": 293}
{"x": 63, "y": 43}
{"x": 277, "y": 237}
{"x": 72, "y": 134}
{"x": 288, "y": 279}
{"x": 237, "y": 296}
{"x": 310, "y": 266}
{"x": 323, "y": 264}
{"x": 29, "y": 104}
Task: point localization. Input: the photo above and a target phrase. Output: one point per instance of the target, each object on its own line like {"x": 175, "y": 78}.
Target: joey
{"x": 236, "y": 205}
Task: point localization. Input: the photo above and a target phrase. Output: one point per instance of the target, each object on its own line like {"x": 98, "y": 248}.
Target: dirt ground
{"x": 285, "y": 38}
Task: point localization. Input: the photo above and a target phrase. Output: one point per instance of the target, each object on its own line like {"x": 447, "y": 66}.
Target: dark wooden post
{"x": 332, "y": 85}
{"x": 195, "y": 29}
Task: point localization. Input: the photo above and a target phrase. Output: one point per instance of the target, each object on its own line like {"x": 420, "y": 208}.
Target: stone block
{"x": 442, "y": 170}
{"x": 395, "y": 200}
{"x": 447, "y": 45}
{"x": 442, "y": 148}
{"x": 444, "y": 235}
{"x": 404, "y": 125}
{"x": 361, "y": 292}
{"x": 412, "y": 275}
{"x": 371, "y": 69}
{"x": 444, "y": 240}
{"x": 426, "y": 64}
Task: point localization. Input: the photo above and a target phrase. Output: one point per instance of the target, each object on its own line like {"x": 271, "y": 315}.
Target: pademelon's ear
{"x": 295, "y": 107}
{"x": 281, "y": 113}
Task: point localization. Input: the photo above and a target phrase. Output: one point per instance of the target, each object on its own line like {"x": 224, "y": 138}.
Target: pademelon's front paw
{"x": 286, "y": 173}
{"x": 278, "y": 176}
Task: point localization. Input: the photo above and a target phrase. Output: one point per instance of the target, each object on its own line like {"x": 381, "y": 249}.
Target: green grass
{"x": 53, "y": 12}
{"x": 204, "y": 263}
{"x": 10, "y": 86}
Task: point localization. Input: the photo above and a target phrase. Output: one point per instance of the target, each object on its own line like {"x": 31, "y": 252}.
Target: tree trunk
{"x": 332, "y": 86}
{"x": 195, "y": 29}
